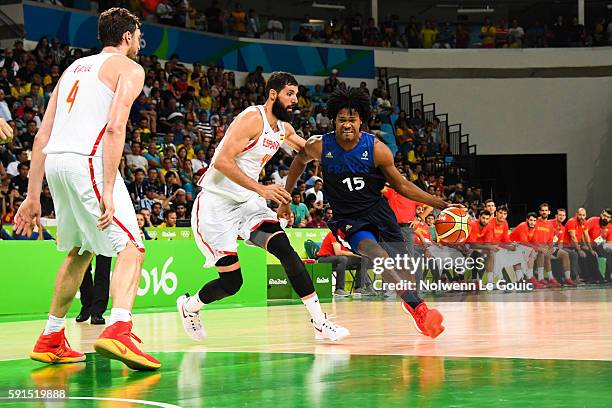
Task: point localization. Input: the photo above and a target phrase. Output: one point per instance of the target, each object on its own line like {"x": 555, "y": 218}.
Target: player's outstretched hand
{"x": 27, "y": 216}
{"x": 6, "y": 132}
{"x": 107, "y": 208}
{"x": 283, "y": 211}
{"x": 276, "y": 193}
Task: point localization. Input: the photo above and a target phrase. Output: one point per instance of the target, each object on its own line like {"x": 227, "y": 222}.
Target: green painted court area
{"x": 214, "y": 379}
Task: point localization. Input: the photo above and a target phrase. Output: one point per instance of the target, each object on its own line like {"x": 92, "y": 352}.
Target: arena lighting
{"x": 609, "y": 6}
{"x": 475, "y": 10}
{"x": 329, "y": 6}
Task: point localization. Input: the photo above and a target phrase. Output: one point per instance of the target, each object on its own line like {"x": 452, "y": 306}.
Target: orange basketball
{"x": 452, "y": 225}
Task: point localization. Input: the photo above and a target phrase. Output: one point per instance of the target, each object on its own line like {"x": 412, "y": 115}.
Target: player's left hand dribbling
{"x": 6, "y": 132}
{"x": 107, "y": 209}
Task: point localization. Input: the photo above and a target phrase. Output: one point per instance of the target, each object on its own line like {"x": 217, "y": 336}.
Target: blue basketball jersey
{"x": 351, "y": 179}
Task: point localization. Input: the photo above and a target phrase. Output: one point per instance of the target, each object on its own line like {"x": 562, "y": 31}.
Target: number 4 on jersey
{"x": 356, "y": 184}
{"x": 72, "y": 95}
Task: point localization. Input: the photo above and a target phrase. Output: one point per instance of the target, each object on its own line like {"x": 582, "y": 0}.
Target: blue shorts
{"x": 380, "y": 221}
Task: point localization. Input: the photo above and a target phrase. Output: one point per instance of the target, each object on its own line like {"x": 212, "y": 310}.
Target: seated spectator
{"x": 317, "y": 191}
{"x": 152, "y": 155}
{"x": 169, "y": 219}
{"x": 19, "y": 183}
{"x": 136, "y": 160}
{"x": 317, "y": 219}
{"x": 199, "y": 161}
{"x": 299, "y": 209}
{"x": 140, "y": 218}
{"x": 488, "y": 34}
{"x": 156, "y": 215}
{"x": 341, "y": 258}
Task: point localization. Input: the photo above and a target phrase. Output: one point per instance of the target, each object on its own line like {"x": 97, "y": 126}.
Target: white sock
{"x": 540, "y": 273}
{"x": 519, "y": 274}
{"x": 120, "y": 315}
{"x": 489, "y": 277}
{"x": 314, "y": 308}
{"x": 550, "y": 275}
{"x": 54, "y": 324}
{"x": 567, "y": 275}
{"x": 529, "y": 273}
{"x": 193, "y": 304}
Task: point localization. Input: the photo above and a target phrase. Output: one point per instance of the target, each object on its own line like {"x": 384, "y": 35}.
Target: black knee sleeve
{"x": 301, "y": 282}
{"x": 231, "y": 282}
{"x": 228, "y": 283}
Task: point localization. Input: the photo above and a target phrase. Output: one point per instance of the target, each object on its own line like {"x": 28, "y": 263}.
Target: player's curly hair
{"x": 351, "y": 99}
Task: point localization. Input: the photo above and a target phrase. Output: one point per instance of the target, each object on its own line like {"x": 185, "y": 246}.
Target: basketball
{"x": 452, "y": 225}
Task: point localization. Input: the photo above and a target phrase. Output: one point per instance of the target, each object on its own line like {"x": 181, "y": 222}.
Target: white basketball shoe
{"x": 191, "y": 321}
{"x": 328, "y": 330}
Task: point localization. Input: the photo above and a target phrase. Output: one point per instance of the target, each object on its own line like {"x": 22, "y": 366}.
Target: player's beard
{"x": 281, "y": 112}
{"x": 603, "y": 222}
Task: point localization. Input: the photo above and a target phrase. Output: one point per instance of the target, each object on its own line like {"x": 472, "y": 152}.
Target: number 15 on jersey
{"x": 354, "y": 183}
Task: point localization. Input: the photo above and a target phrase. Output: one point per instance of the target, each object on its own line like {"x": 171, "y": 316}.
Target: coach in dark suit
{"x": 94, "y": 292}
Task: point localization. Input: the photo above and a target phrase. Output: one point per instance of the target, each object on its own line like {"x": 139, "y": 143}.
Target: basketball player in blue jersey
{"x": 356, "y": 167}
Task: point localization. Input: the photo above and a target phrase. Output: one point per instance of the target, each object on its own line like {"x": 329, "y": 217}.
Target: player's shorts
{"x": 217, "y": 222}
{"x": 76, "y": 185}
{"x": 505, "y": 257}
{"x": 380, "y": 220}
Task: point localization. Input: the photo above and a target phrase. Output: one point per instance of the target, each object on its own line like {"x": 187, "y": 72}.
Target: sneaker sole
{"x": 107, "y": 347}
{"x": 433, "y": 322}
{"x": 179, "y": 307}
{"x": 51, "y": 358}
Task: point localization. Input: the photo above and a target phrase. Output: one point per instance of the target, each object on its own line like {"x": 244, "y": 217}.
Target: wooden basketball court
{"x": 253, "y": 356}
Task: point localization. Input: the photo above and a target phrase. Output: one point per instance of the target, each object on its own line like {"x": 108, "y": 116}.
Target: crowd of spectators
{"x": 391, "y": 31}
{"x": 177, "y": 122}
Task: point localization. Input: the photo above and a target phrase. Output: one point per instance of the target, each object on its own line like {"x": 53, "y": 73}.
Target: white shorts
{"x": 76, "y": 186}
{"x": 505, "y": 257}
{"x": 217, "y": 222}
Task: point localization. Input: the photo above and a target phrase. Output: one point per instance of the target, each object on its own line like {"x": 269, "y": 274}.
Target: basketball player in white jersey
{"x": 232, "y": 203}
{"x": 79, "y": 146}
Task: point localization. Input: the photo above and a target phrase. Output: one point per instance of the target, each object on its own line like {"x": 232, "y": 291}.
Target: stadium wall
{"x": 565, "y": 108}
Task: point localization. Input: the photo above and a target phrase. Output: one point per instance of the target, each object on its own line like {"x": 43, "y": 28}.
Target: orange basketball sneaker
{"x": 427, "y": 321}
{"x": 116, "y": 342}
{"x": 53, "y": 348}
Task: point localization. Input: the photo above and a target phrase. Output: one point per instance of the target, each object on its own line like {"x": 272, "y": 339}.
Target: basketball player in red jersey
{"x": 79, "y": 146}
{"x": 543, "y": 236}
{"x": 480, "y": 242}
{"x": 600, "y": 232}
{"x": 520, "y": 257}
{"x": 522, "y": 234}
{"x": 558, "y": 241}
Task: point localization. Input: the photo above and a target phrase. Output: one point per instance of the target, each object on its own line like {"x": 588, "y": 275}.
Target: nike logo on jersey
{"x": 329, "y": 155}
{"x": 364, "y": 156}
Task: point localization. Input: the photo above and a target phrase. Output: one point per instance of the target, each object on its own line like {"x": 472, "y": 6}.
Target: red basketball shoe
{"x": 554, "y": 283}
{"x": 53, "y": 348}
{"x": 116, "y": 342}
{"x": 569, "y": 282}
{"x": 427, "y": 321}
{"x": 536, "y": 284}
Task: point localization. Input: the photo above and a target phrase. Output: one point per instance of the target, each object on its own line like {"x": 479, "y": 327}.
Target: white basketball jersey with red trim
{"x": 83, "y": 106}
{"x": 251, "y": 161}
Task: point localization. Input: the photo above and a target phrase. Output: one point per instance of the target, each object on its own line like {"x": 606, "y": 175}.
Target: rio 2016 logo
{"x": 165, "y": 281}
